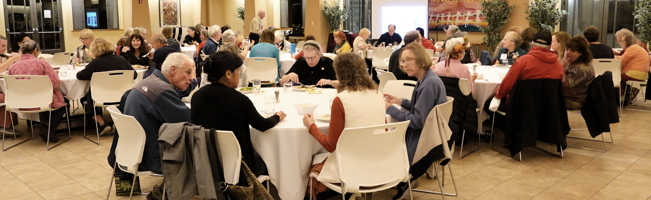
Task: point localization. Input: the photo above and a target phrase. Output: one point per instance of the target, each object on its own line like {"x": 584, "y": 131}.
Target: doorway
{"x": 41, "y": 20}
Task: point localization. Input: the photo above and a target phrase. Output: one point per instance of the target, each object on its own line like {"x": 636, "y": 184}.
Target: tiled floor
{"x": 78, "y": 169}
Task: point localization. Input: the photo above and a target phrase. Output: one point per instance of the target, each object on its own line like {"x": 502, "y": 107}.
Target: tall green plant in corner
{"x": 240, "y": 13}
{"x": 544, "y": 15}
{"x": 496, "y": 13}
{"x": 643, "y": 19}
{"x": 334, "y": 15}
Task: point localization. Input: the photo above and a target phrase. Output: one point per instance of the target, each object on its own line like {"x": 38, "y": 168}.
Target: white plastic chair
{"x": 299, "y": 46}
{"x": 400, "y": 88}
{"x": 615, "y": 66}
{"x": 107, "y": 89}
{"x": 430, "y": 52}
{"x": 231, "y": 158}
{"x": 384, "y": 76}
{"x": 378, "y": 163}
{"x": 464, "y": 86}
{"x": 130, "y": 146}
{"x": 61, "y": 58}
{"x": 31, "y": 94}
{"x": 379, "y": 54}
{"x": 265, "y": 69}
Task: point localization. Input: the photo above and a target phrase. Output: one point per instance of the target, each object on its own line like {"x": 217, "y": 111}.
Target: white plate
{"x": 322, "y": 117}
{"x": 298, "y": 88}
{"x": 244, "y": 92}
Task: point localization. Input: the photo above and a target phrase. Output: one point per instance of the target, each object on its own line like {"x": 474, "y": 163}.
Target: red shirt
{"x": 539, "y": 63}
{"x": 30, "y": 65}
{"x": 428, "y": 44}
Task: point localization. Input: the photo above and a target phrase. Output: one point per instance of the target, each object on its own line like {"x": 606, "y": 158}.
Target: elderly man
{"x": 390, "y": 37}
{"x": 394, "y": 60}
{"x": 157, "y": 100}
{"x": 424, "y": 41}
{"x": 162, "y": 49}
{"x": 256, "y": 27}
{"x": 212, "y": 44}
{"x": 312, "y": 68}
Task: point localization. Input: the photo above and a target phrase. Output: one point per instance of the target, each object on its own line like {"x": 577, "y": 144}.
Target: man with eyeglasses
{"x": 81, "y": 55}
{"x": 394, "y": 60}
{"x": 312, "y": 69}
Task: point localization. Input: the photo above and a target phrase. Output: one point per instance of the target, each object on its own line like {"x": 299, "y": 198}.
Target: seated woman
{"x": 469, "y": 57}
{"x": 104, "y": 60}
{"x": 221, "y": 107}
{"x": 29, "y": 64}
{"x": 635, "y": 59}
{"x": 357, "y": 98}
{"x": 312, "y": 69}
{"x": 135, "y": 51}
{"x": 510, "y": 47}
{"x": 192, "y": 38}
{"x": 559, "y": 41}
{"x": 281, "y": 42}
{"x": 230, "y": 36}
{"x": 455, "y": 49}
{"x": 5, "y": 62}
{"x": 123, "y": 40}
{"x": 80, "y": 55}
{"x": 267, "y": 49}
{"x": 429, "y": 92}
{"x": 579, "y": 73}
{"x": 342, "y": 43}
{"x": 308, "y": 38}
{"x": 229, "y": 47}
{"x": 360, "y": 42}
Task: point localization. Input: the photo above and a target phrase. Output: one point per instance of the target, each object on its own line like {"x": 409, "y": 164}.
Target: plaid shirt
{"x": 82, "y": 53}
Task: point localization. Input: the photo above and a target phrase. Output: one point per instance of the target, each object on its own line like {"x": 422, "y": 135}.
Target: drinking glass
{"x": 288, "y": 87}
{"x": 269, "y": 105}
{"x": 63, "y": 71}
{"x": 257, "y": 84}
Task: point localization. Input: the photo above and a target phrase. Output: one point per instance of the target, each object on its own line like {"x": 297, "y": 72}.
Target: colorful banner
{"x": 464, "y": 13}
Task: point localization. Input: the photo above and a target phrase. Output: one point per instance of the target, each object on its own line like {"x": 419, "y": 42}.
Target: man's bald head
{"x": 412, "y": 36}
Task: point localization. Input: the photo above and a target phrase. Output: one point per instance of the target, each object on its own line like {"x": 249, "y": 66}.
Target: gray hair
{"x": 214, "y": 29}
{"x": 534, "y": 44}
{"x": 229, "y": 36}
{"x": 460, "y": 34}
{"x": 280, "y": 35}
{"x": 176, "y": 59}
{"x": 312, "y": 48}
{"x": 412, "y": 36}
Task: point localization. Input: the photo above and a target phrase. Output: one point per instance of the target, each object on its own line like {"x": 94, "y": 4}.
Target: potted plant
{"x": 496, "y": 13}
{"x": 240, "y": 13}
{"x": 334, "y": 15}
{"x": 544, "y": 15}
{"x": 643, "y": 20}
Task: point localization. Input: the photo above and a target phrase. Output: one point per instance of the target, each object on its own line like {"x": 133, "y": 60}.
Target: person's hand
{"x": 41, "y": 57}
{"x": 495, "y": 103}
{"x": 473, "y": 77}
{"x": 150, "y": 55}
{"x": 293, "y": 77}
{"x": 15, "y": 57}
{"x": 308, "y": 120}
{"x": 565, "y": 61}
{"x": 125, "y": 49}
{"x": 392, "y": 99}
{"x": 281, "y": 114}
{"x": 387, "y": 105}
{"x": 195, "y": 43}
{"x": 434, "y": 61}
{"x": 324, "y": 82}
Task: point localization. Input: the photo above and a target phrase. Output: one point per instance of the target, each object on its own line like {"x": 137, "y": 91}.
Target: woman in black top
{"x": 598, "y": 50}
{"x": 221, "y": 107}
{"x": 135, "y": 51}
{"x": 192, "y": 38}
{"x": 104, "y": 59}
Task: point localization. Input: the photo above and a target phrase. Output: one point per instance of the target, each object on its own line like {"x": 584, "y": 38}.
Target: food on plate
{"x": 246, "y": 89}
{"x": 313, "y": 91}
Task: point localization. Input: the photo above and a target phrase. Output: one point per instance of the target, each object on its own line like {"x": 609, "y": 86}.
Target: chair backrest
{"x": 613, "y": 65}
{"x": 464, "y": 86}
{"x": 445, "y": 111}
{"x": 231, "y": 155}
{"x": 131, "y": 143}
{"x": 108, "y": 87}
{"x": 299, "y": 45}
{"x": 384, "y": 76}
{"x": 28, "y": 93}
{"x": 372, "y": 156}
{"x": 61, "y": 58}
{"x": 400, "y": 88}
{"x": 379, "y": 54}
{"x": 430, "y": 52}
{"x": 265, "y": 69}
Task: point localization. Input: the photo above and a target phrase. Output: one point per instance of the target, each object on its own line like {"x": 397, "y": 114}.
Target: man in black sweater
{"x": 394, "y": 60}
{"x": 389, "y": 37}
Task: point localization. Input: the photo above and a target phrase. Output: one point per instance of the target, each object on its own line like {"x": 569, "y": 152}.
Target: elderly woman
{"x": 5, "y": 62}
{"x": 104, "y": 60}
{"x": 510, "y": 48}
{"x": 559, "y": 41}
{"x": 455, "y": 49}
{"x": 342, "y": 44}
{"x": 229, "y": 47}
{"x": 80, "y": 55}
{"x": 579, "y": 73}
{"x": 230, "y": 36}
{"x": 204, "y": 36}
{"x": 267, "y": 49}
{"x": 469, "y": 57}
{"x": 450, "y": 31}
{"x": 30, "y": 65}
{"x": 598, "y": 50}
{"x": 135, "y": 51}
{"x": 281, "y": 42}
{"x": 357, "y": 98}
{"x": 221, "y": 107}
{"x": 308, "y": 38}
{"x": 123, "y": 40}
{"x": 312, "y": 69}
{"x": 635, "y": 60}
{"x": 192, "y": 38}
{"x": 360, "y": 42}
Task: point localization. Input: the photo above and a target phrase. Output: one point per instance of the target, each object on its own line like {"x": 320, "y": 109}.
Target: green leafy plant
{"x": 334, "y": 15}
{"x": 240, "y": 13}
{"x": 544, "y": 15}
{"x": 496, "y": 13}
{"x": 643, "y": 19}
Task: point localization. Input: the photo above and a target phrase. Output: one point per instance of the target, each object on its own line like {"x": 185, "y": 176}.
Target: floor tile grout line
{"x": 616, "y": 177}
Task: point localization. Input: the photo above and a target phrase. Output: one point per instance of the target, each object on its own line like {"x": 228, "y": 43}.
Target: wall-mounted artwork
{"x": 464, "y": 13}
{"x": 170, "y": 13}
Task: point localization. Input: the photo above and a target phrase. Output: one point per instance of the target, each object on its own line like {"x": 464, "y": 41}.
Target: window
{"x": 359, "y": 15}
{"x": 95, "y": 14}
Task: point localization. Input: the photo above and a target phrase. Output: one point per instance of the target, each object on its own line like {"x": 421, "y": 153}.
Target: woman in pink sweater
{"x": 452, "y": 67}
{"x": 635, "y": 60}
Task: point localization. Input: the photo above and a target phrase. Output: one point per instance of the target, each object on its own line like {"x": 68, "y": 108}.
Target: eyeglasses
{"x": 407, "y": 60}
{"x": 311, "y": 58}
{"x": 82, "y": 39}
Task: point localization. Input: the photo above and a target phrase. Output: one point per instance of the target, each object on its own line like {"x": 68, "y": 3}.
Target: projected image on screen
{"x": 406, "y": 18}
{"x": 91, "y": 19}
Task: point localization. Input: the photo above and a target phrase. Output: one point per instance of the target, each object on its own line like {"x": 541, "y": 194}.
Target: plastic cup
{"x": 257, "y": 86}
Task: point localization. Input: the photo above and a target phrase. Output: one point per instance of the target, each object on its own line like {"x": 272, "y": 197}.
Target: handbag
{"x": 123, "y": 184}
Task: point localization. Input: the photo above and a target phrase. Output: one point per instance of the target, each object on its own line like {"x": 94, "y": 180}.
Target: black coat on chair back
{"x": 464, "y": 115}
{"x": 600, "y": 107}
{"x": 536, "y": 111}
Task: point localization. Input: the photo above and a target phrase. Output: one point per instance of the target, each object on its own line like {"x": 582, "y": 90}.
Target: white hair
{"x": 214, "y": 29}
{"x": 280, "y": 35}
{"x": 229, "y": 36}
{"x": 175, "y": 59}
{"x": 451, "y": 43}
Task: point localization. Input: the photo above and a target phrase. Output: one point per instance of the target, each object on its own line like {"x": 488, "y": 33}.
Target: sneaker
{"x": 105, "y": 129}
{"x": 11, "y": 133}
{"x": 54, "y": 138}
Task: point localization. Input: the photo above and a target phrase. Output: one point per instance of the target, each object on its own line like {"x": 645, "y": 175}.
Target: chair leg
{"x": 49, "y": 130}
{"x": 5, "y": 131}
{"x": 96, "y": 126}
{"x": 164, "y": 190}
{"x": 311, "y": 188}
{"x": 411, "y": 195}
{"x": 133, "y": 184}
{"x": 111, "y": 183}
{"x": 440, "y": 184}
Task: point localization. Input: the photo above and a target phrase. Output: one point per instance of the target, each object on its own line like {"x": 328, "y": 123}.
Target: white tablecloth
{"x": 486, "y": 85}
{"x": 47, "y": 57}
{"x": 189, "y": 50}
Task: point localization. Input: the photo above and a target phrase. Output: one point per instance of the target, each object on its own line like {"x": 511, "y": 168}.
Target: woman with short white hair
{"x": 80, "y": 55}
{"x": 280, "y": 42}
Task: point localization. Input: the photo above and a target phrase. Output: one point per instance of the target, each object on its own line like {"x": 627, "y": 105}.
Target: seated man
{"x": 312, "y": 69}
{"x": 157, "y": 100}
{"x": 539, "y": 63}
{"x": 161, "y": 50}
{"x": 394, "y": 60}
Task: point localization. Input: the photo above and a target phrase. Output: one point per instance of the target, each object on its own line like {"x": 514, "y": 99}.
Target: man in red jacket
{"x": 539, "y": 63}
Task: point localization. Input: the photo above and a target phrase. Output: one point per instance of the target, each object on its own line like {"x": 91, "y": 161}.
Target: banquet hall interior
{"x": 477, "y": 163}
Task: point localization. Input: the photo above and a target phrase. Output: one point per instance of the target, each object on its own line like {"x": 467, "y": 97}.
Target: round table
{"x": 485, "y": 86}
{"x": 189, "y": 50}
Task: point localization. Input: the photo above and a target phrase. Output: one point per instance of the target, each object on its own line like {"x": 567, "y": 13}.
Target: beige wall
{"x": 230, "y": 15}
{"x": 140, "y": 18}
{"x": 72, "y": 37}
